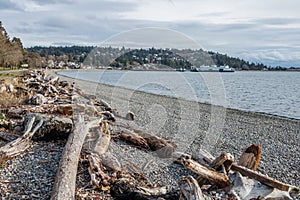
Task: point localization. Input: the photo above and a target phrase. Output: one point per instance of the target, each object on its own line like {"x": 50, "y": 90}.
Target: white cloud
{"x": 257, "y": 30}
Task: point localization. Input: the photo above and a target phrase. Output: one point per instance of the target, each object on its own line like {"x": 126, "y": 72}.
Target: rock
{"x": 38, "y": 99}
{"x": 130, "y": 116}
{"x": 2, "y": 89}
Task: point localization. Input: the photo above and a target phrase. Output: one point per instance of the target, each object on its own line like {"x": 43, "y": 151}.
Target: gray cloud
{"x": 8, "y": 5}
{"x": 47, "y": 2}
{"x": 90, "y": 22}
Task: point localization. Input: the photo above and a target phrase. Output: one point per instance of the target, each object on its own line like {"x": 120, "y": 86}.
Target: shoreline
{"x": 192, "y": 125}
{"x": 180, "y": 98}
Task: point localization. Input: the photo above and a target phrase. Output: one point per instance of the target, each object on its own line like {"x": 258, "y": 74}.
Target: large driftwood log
{"x": 189, "y": 189}
{"x": 220, "y": 179}
{"x": 22, "y": 143}
{"x": 64, "y": 185}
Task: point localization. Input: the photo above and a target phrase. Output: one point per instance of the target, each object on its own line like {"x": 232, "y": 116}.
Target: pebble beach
{"x": 190, "y": 125}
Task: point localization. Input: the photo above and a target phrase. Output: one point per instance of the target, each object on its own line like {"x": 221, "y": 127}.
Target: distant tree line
{"x": 122, "y": 58}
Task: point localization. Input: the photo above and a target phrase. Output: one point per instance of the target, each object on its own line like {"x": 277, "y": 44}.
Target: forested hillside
{"x": 131, "y": 58}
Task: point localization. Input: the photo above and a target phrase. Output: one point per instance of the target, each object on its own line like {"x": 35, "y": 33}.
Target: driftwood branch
{"x": 22, "y": 143}
{"x": 64, "y": 185}
{"x": 220, "y": 179}
{"x": 189, "y": 189}
{"x": 264, "y": 179}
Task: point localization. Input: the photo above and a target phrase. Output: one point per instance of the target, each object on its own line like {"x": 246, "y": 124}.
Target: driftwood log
{"x": 220, "y": 179}
{"x": 148, "y": 141}
{"x": 64, "y": 185}
{"x": 22, "y": 143}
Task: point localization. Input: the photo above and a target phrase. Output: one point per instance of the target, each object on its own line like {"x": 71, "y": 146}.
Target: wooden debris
{"x": 264, "y": 179}
{"x": 135, "y": 139}
{"x": 221, "y": 164}
{"x": 189, "y": 189}
{"x": 204, "y": 155}
{"x": 65, "y": 109}
{"x": 224, "y": 160}
{"x": 64, "y": 185}
{"x": 124, "y": 189}
{"x": 19, "y": 145}
{"x": 251, "y": 157}
{"x": 220, "y": 179}
{"x": 103, "y": 140}
{"x": 96, "y": 170}
{"x": 162, "y": 148}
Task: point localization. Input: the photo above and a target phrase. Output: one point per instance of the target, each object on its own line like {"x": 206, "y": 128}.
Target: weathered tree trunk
{"x": 22, "y": 143}
{"x": 64, "y": 185}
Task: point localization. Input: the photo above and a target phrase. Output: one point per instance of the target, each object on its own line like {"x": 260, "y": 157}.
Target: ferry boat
{"x": 212, "y": 69}
{"x": 180, "y": 69}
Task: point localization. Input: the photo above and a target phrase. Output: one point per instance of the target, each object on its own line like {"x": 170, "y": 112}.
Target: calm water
{"x": 275, "y": 93}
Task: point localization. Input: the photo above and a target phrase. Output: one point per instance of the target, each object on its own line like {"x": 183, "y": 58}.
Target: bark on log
{"x": 220, "y": 179}
{"x": 22, "y": 143}
{"x": 189, "y": 189}
{"x": 251, "y": 157}
{"x": 162, "y": 147}
{"x": 134, "y": 139}
{"x": 64, "y": 185}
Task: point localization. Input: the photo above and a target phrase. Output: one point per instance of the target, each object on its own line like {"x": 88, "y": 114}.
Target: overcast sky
{"x": 265, "y": 31}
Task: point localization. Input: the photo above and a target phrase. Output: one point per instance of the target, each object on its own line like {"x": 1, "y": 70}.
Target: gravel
{"x": 190, "y": 125}
{"x": 31, "y": 174}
